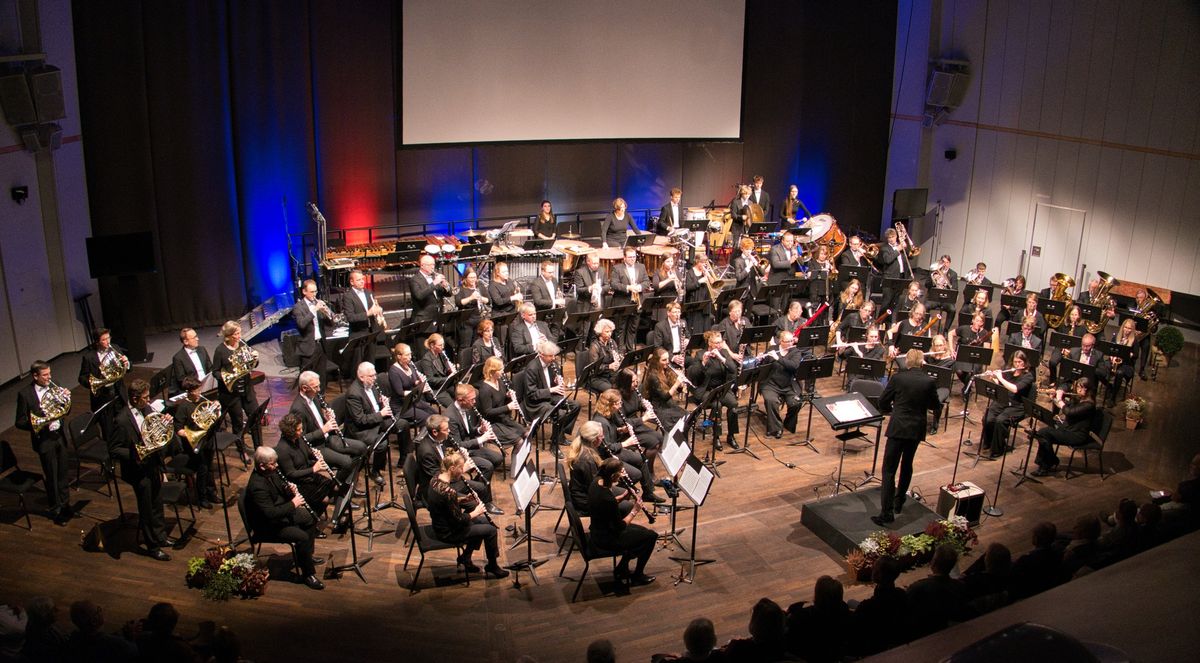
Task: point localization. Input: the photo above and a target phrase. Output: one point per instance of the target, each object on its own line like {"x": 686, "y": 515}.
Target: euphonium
{"x": 55, "y": 404}
{"x": 1062, "y": 283}
{"x": 244, "y": 360}
{"x": 1102, "y": 299}
{"x": 156, "y": 434}
{"x": 204, "y": 416}
{"x": 113, "y": 366}
{"x": 1147, "y": 311}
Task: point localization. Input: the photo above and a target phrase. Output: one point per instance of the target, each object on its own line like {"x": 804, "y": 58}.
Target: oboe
{"x": 296, "y": 491}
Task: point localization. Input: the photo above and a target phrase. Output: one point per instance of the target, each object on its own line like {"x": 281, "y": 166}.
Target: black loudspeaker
{"x": 45, "y": 83}
{"x": 16, "y": 100}
{"x": 909, "y": 203}
{"x": 289, "y": 342}
{"x": 961, "y": 499}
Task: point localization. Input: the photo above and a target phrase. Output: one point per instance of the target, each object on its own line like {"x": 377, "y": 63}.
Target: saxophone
{"x": 55, "y": 405}
{"x": 206, "y": 414}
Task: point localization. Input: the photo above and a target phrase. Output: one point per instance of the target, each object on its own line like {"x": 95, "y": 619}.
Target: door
{"x": 1055, "y": 245}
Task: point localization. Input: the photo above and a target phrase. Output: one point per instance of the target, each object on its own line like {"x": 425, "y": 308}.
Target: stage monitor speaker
{"x": 45, "y": 83}
{"x": 961, "y": 499}
{"x": 289, "y": 342}
{"x": 909, "y": 203}
{"x": 16, "y": 100}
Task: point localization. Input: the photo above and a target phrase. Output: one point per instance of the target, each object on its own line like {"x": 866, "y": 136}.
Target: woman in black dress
{"x": 622, "y": 442}
{"x": 469, "y": 297}
{"x": 543, "y": 225}
{"x": 485, "y": 344}
{"x": 462, "y": 518}
{"x": 1018, "y": 380}
{"x": 402, "y": 379}
{"x": 662, "y": 384}
{"x": 1074, "y": 422}
{"x": 612, "y": 531}
{"x": 612, "y": 228}
{"x": 497, "y": 405}
{"x": 633, "y": 408}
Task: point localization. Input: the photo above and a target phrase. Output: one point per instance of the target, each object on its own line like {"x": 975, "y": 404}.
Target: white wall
{"x": 38, "y": 300}
{"x": 1086, "y": 104}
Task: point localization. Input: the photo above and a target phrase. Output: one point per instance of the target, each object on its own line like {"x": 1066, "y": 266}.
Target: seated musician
{"x": 870, "y": 348}
{"x": 861, "y": 319}
{"x": 525, "y": 334}
{"x": 498, "y": 403}
{"x": 613, "y": 227}
{"x": 913, "y": 324}
{"x": 999, "y": 419}
{"x": 610, "y": 530}
{"x": 485, "y": 344}
{"x": 604, "y": 354}
{"x": 1087, "y": 354}
{"x": 1014, "y": 286}
{"x": 274, "y": 511}
{"x": 942, "y": 277}
{"x": 369, "y": 414}
{"x": 436, "y": 366}
{"x": 463, "y": 519}
{"x": 662, "y": 383}
{"x": 1072, "y": 326}
{"x": 1121, "y": 372}
{"x": 822, "y": 273}
{"x": 200, "y": 457}
{"x": 469, "y": 296}
{"x": 1027, "y": 337}
{"x": 640, "y": 414}
{"x": 504, "y": 295}
{"x": 621, "y": 441}
{"x": 1076, "y": 411}
{"x": 980, "y": 303}
{"x": 431, "y": 448}
{"x": 913, "y": 295}
{"x": 672, "y": 334}
{"x": 780, "y": 386}
{"x": 1030, "y": 311}
{"x": 850, "y": 299}
{"x": 717, "y": 366}
{"x": 790, "y": 321}
{"x": 976, "y": 335}
{"x": 403, "y": 379}
{"x": 544, "y": 389}
{"x": 193, "y": 360}
{"x": 321, "y": 429}
{"x": 1089, "y": 297}
{"x": 544, "y": 226}
{"x": 583, "y": 462}
{"x": 472, "y": 433}
{"x": 854, "y": 255}
{"x": 977, "y": 276}
{"x": 300, "y": 465}
{"x": 731, "y": 327}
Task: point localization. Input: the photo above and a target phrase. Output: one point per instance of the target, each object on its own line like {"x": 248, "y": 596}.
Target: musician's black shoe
{"x": 640, "y": 579}
{"x": 317, "y": 561}
{"x": 62, "y": 516}
{"x": 203, "y": 503}
{"x": 1142, "y": 376}
{"x": 168, "y": 542}
{"x": 778, "y": 435}
{"x": 732, "y": 443}
{"x": 883, "y": 519}
{"x": 718, "y": 445}
{"x": 467, "y": 565}
{"x": 933, "y": 428}
{"x": 322, "y": 535}
{"x": 159, "y": 555}
{"x": 312, "y": 582}
{"x": 652, "y": 496}
{"x": 493, "y": 569}
{"x": 494, "y": 510}
{"x": 377, "y": 478}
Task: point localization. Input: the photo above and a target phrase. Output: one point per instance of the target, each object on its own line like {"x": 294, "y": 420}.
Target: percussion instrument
{"x": 662, "y": 240}
{"x": 824, "y": 230}
{"x": 519, "y": 236}
{"x": 720, "y": 219}
{"x": 654, "y": 255}
{"x": 572, "y": 249}
{"x": 475, "y": 236}
{"x": 568, "y": 235}
{"x": 610, "y": 257}
{"x": 448, "y": 250}
{"x": 433, "y": 249}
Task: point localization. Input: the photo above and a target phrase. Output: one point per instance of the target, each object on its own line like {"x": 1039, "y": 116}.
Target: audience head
{"x": 945, "y": 557}
{"x": 601, "y": 651}
{"x": 1044, "y": 534}
{"x": 1149, "y": 514}
{"x": 162, "y": 618}
{"x": 87, "y": 617}
{"x": 766, "y": 621}
{"x": 1126, "y": 511}
{"x": 700, "y": 637}
{"x": 885, "y": 572}
{"x": 226, "y": 647}
{"x": 41, "y": 611}
{"x": 827, "y": 593}
{"x": 998, "y": 559}
{"x": 1087, "y": 528}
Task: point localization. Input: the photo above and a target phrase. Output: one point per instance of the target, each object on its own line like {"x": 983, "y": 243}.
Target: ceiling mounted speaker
{"x": 16, "y": 100}
{"x": 45, "y": 83}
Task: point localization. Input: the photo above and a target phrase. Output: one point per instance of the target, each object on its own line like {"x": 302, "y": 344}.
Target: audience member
{"x": 1084, "y": 549}
{"x": 1150, "y": 529}
{"x": 766, "y": 635}
{"x": 12, "y": 632}
{"x": 601, "y": 651}
{"x": 89, "y": 644}
{"x": 939, "y": 599}
{"x": 1039, "y": 569}
{"x": 700, "y": 644}
{"x": 819, "y": 632}
{"x": 879, "y": 620}
{"x": 157, "y": 641}
{"x": 43, "y": 638}
{"x": 1120, "y": 541}
{"x": 987, "y": 580}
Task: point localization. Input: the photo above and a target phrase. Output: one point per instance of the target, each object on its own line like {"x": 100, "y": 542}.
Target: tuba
{"x": 244, "y": 360}
{"x": 55, "y": 404}
{"x": 206, "y": 414}
{"x": 157, "y": 432}
{"x": 1062, "y": 283}
{"x": 1147, "y": 312}
{"x": 113, "y": 366}
{"x": 1103, "y": 300}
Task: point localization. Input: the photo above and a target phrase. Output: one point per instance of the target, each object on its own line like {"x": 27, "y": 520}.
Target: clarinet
{"x": 625, "y": 424}
{"x": 337, "y": 484}
{"x": 328, "y": 412}
{"x": 637, "y": 393}
{"x": 513, "y": 395}
{"x": 625, "y": 482}
{"x": 296, "y": 491}
{"x": 475, "y": 495}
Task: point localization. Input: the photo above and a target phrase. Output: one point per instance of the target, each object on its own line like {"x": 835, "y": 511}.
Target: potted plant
{"x": 1135, "y": 411}
{"x": 1169, "y": 341}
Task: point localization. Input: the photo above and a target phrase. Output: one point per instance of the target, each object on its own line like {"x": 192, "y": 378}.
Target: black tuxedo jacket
{"x": 542, "y": 299}
{"x": 537, "y": 391}
{"x": 125, "y": 434}
{"x": 295, "y": 460}
{"x": 305, "y": 325}
{"x": 89, "y": 365}
{"x": 661, "y": 336}
{"x": 429, "y": 460}
{"x": 362, "y": 420}
{"x": 908, "y": 395}
{"x": 269, "y": 505}
{"x": 28, "y": 403}
{"x": 465, "y": 430}
{"x": 693, "y": 289}
{"x": 182, "y": 366}
{"x": 730, "y": 332}
{"x": 847, "y": 258}
{"x": 620, "y": 282}
{"x": 746, "y": 277}
{"x": 783, "y": 374}
{"x": 1034, "y": 342}
{"x": 781, "y": 266}
{"x": 763, "y": 200}
{"x": 426, "y": 297}
{"x": 890, "y": 261}
{"x": 436, "y": 370}
{"x": 313, "y": 434}
{"x": 355, "y": 314}
{"x": 666, "y": 221}
{"x": 521, "y": 340}
{"x": 740, "y": 212}
{"x": 584, "y": 279}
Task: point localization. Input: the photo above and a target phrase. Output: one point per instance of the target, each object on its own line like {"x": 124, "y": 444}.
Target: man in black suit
{"x": 547, "y": 295}
{"x": 427, "y": 289}
{"x": 368, "y": 414}
{"x": 670, "y": 216}
{"x": 468, "y": 433}
{"x": 853, "y": 256}
{"x": 200, "y": 456}
{"x": 273, "y": 511}
{"x": 1086, "y": 353}
{"x": 145, "y": 476}
{"x": 1026, "y": 337}
{"x": 524, "y": 334}
{"x": 191, "y": 360}
{"x": 544, "y": 388}
{"x": 49, "y": 442}
{"x": 781, "y": 387}
{"x": 893, "y": 261}
{"x": 715, "y": 368}
{"x": 104, "y": 354}
{"x": 732, "y": 326}
{"x": 359, "y": 305}
{"x": 591, "y": 291}
{"x": 629, "y": 280}
{"x": 908, "y": 396}
{"x": 314, "y": 322}
{"x": 431, "y": 449}
{"x": 760, "y": 197}
{"x": 671, "y": 334}
{"x": 320, "y": 431}
{"x": 783, "y": 259}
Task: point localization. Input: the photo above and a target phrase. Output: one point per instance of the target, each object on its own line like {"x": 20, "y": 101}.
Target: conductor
{"x": 907, "y": 395}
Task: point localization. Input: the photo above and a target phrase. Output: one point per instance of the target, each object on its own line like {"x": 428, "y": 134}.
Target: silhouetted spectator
{"x": 12, "y": 632}
{"x": 1150, "y": 529}
{"x": 601, "y": 651}
{"x": 1039, "y": 569}
{"x": 987, "y": 582}
{"x": 43, "y": 638}
{"x": 939, "y": 599}
{"x": 879, "y": 622}
{"x": 89, "y": 644}
{"x": 1121, "y": 541}
{"x": 819, "y": 632}
{"x": 1084, "y": 549}
{"x": 766, "y": 635}
{"x": 699, "y": 642}
{"x": 157, "y": 641}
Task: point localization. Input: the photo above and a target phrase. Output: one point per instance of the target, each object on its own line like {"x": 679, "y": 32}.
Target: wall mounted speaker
{"x": 16, "y": 100}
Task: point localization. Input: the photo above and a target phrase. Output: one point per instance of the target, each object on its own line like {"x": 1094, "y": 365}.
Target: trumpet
{"x": 296, "y": 491}
{"x": 55, "y": 405}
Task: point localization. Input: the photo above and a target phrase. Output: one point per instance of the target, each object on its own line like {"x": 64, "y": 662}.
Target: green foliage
{"x": 220, "y": 587}
{"x": 1169, "y": 340}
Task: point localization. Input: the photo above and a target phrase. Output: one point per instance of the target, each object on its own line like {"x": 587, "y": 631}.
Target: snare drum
{"x": 610, "y": 257}
{"x": 653, "y": 256}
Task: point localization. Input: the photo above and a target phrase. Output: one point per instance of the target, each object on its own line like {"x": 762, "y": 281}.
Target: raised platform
{"x": 842, "y": 522}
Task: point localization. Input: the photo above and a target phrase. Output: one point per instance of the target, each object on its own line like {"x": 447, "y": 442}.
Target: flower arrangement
{"x": 221, "y": 574}
{"x": 910, "y": 549}
{"x": 1135, "y": 408}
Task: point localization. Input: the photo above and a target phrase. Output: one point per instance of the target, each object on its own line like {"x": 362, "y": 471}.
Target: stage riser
{"x": 842, "y": 522}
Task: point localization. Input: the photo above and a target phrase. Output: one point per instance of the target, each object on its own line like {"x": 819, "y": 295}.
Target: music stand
{"x": 710, "y": 399}
{"x": 908, "y": 342}
{"x": 370, "y": 532}
{"x": 1065, "y": 341}
{"x": 341, "y": 509}
{"x": 587, "y": 318}
{"x": 635, "y": 357}
{"x": 1119, "y": 351}
{"x": 696, "y": 342}
{"x": 861, "y": 367}
{"x": 1038, "y": 413}
{"x": 637, "y": 241}
{"x": 1089, "y": 313}
{"x": 525, "y": 486}
{"x": 1049, "y": 307}
{"x": 1012, "y": 301}
{"x": 995, "y": 394}
{"x": 850, "y": 411}
{"x": 1032, "y": 357}
{"x": 675, "y": 452}
{"x": 1070, "y": 370}
{"x": 752, "y": 378}
{"x": 813, "y": 336}
{"x": 352, "y": 353}
{"x": 810, "y": 370}
{"x": 695, "y": 480}
{"x": 728, "y": 295}
{"x": 964, "y": 319}
{"x": 451, "y": 380}
{"x": 860, "y": 272}
{"x": 480, "y": 250}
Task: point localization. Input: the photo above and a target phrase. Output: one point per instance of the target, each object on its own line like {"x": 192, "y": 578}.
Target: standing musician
{"x": 192, "y": 359}
{"x": 746, "y": 268}
{"x": 908, "y": 396}
{"x": 583, "y": 462}
{"x": 1014, "y": 286}
{"x": 759, "y": 196}
{"x": 739, "y": 209}
{"x": 498, "y": 403}
{"x": 893, "y": 262}
{"x": 976, "y": 335}
{"x": 462, "y": 519}
{"x": 854, "y": 256}
{"x": 427, "y": 289}
{"x": 717, "y": 367}
{"x": 525, "y": 334}
{"x": 662, "y": 384}
{"x": 485, "y": 344}
{"x": 1076, "y": 411}
{"x": 993, "y": 435}
{"x": 591, "y": 284}
{"x": 504, "y": 295}
{"x": 544, "y": 226}
{"x": 300, "y": 465}
{"x": 145, "y": 476}
{"x": 545, "y": 388}
{"x": 666, "y": 282}
{"x": 436, "y": 366}
{"x": 1141, "y": 305}
{"x": 784, "y": 259}
{"x": 237, "y": 399}
{"x": 200, "y": 458}
{"x": 789, "y": 212}
{"x": 471, "y": 432}
{"x": 314, "y": 321}
{"x": 863, "y": 320}
{"x": 321, "y": 428}
{"x": 49, "y": 443}
{"x": 274, "y": 511}
{"x": 361, "y": 309}
{"x": 435, "y": 445}
{"x": 640, "y": 414}
{"x": 604, "y": 353}
{"x": 1120, "y": 372}
{"x": 402, "y": 381}
{"x": 781, "y": 387}
{"x": 546, "y": 295}
{"x": 621, "y": 442}
{"x": 103, "y": 352}
{"x": 368, "y": 414}
{"x": 672, "y": 334}
{"x": 630, "y": 284}
{"x": 1026, "y": 338}
{"x": 469, "y": 296}
{"x": 612, "y": 531}
{"x": 695, "y": 289}
{"x": 978, "y": 276}
{"x": 670, "y": 216}
{"x": 731, "y": 328}
{"x": 942, "y": 277}
{"x": 617, "y": 225}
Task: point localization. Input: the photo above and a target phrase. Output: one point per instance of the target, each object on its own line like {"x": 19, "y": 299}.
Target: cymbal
{"x": 473, "y": 233}
{"x": 568, "y": 235}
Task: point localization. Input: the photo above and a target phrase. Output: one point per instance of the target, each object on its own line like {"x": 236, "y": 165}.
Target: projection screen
{"x": 528, "y": 70}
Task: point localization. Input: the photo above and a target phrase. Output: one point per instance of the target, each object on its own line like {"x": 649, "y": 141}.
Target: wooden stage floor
{"x": 750, "y": 525}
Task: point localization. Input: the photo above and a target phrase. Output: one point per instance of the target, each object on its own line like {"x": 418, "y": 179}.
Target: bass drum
{"x": 825, "y": 231}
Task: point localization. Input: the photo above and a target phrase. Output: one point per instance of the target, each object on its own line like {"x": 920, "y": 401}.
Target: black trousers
{"x": 997, "y": 422}
{"x": 635, "y": 468}
{"x": 148, "y": 491}
{"x": 200, "y": 461}
{"x": 1143, "y": 354}
{"x": 634, "y": 542}
{"x": 481, "y": 532}
{"x": 773, "y": 397}
{"x": 486, "y": 459}
{"x": 52, "y": 453}
{"x": 898, "y": 453}
{"x": 1048, "y": 437}
{"x": 302, "y": 534}
{"x": 239, "y": 406}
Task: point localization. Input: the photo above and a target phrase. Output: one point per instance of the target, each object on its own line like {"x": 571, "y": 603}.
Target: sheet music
{"x": 524, "y": 487}
{"x": 675, "y": 450}
{"x": 208, "y": 383}
{"x": 695, "y": 480}
{"x": 521, "y": 454}
{"x": 848, "y": 410}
